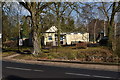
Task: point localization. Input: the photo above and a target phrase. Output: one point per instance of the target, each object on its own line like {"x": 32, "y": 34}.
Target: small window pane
{"x": 49, "y": 37}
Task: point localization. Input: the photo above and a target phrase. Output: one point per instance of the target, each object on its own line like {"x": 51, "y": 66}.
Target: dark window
{"x": 49, "y": 37}
{"x": 61, "y": 38}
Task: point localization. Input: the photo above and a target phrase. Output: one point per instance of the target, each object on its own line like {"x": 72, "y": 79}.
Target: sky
{"x": 25, "y": 12}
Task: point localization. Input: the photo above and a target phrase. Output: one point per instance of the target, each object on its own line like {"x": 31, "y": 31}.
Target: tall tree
{"x": 109, "y": 13}
{"x": 35, "y": 9}
{"x": 25, "y": 26}
{"x": 62, "y": 11}
{"x": 58, "y": 11}
{"x": 10, "y": 29}
{"x": 68, "y": 24}
{"x": 6, "y": 28}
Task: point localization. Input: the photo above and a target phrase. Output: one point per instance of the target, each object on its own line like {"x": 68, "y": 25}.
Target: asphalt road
{"x": 21, "y": 71}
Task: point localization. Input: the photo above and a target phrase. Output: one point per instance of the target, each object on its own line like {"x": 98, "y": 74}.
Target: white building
{"x": 0, "y": 35}
{"x": 50, "y": 37}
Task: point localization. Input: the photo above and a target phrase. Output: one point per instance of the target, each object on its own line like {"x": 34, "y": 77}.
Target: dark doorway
{"x": 42, "y": 40}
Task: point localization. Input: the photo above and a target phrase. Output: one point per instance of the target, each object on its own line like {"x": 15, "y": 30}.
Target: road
{"x": 22, "y": 71}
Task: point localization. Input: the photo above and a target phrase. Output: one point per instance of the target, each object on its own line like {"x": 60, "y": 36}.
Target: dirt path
{"x": 11, "y": 56}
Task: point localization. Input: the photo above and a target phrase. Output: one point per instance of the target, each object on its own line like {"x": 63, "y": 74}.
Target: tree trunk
{"x": 111, "y": 29}
{"x": 36, "y": 43}
{"x": 104, "y": 28}
{"x": 59, "y": 45}
{"x": 95, "y": 32}
{"x": 59, "y": 23}
{"x": 114, "y": 41}
{"x": 35, "y": 8}
{"x": 36, "y": 35}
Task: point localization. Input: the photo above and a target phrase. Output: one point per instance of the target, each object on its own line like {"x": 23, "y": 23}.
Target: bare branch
{"x": 26, "y": 5}
{"x": 105, "y": 12}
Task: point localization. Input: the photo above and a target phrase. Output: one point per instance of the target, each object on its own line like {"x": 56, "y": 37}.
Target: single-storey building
{"x": 51, "y": 37}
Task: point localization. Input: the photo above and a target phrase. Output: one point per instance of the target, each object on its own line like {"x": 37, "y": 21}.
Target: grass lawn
{"x": 10, "y": 51}
{"x": 91, "y": 54}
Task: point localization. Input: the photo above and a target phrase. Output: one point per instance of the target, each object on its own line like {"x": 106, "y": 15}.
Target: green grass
{"x": 11, "y": 51}
{"x": 69, "y": 53}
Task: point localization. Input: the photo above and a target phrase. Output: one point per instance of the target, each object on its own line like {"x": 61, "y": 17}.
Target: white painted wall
{"x": 0, "y": 35}
{"x": 77, "y": 37}
{"x": 69, "y": 38}
{"x": 46, "y": 37}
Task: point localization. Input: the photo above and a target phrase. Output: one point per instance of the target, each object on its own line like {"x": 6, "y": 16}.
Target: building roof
{"x": 52, "y": 29}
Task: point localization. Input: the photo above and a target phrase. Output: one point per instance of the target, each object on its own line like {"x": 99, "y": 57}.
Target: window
{"x": 61, "y": 38}
{"x": 49, "y": 37}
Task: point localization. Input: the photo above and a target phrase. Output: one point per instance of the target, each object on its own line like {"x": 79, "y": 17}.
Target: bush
{"x": 10, "y": 44}
{"x": 81, "y": 45}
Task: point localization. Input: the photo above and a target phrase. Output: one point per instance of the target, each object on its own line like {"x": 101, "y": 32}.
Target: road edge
{"x": 70, "y": 65}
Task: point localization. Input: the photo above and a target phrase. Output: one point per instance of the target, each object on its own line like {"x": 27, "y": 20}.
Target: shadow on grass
{"x": 17, "y": 51}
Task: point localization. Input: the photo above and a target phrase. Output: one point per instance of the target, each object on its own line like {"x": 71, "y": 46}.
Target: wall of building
{"x": 69, "y": 38}
{"x": 47, "y": 36}
{"x": 77, "y": 37}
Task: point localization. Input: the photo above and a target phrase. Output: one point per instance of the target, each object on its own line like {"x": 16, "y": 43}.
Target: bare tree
{"x": 109, "y": 13}
{"x": 59, "y": 9}
{"x": 35, "y": 9}
{"x": 12, "y": 19}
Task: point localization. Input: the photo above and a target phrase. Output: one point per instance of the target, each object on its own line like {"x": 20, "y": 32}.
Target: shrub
{"x": 10, "y": 44}
{"x": 81, "y": 45}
